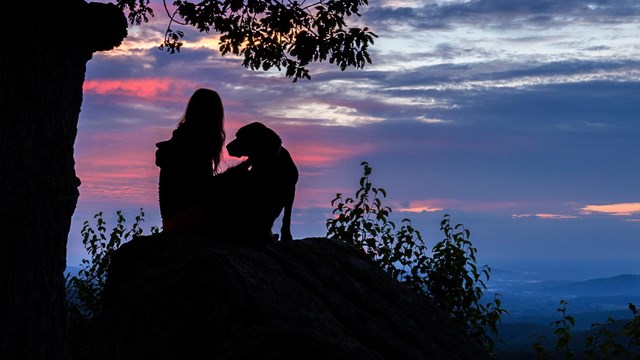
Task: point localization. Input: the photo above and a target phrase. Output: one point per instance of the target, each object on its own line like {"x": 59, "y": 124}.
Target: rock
{"x": 181, "y": 297}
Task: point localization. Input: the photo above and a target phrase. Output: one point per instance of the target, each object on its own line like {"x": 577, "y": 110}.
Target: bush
{"x": 449, "y": 277}
{"x": 602, "y": 343}
{"x": 84, "y": 291}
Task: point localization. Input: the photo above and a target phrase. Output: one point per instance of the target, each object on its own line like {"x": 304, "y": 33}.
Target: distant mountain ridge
{"x": 533, "y": 301}
{"x": 506, "y": 281}
{"x": 626, "y": 284}
{"x": 533, "y": 307}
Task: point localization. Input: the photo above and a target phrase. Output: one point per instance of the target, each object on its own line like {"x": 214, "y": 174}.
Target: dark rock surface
{"x": 174, "y": 297}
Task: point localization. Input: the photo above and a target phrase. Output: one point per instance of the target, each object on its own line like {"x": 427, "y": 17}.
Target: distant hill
{"x": 618, "y": 285}
{"x": 532, "y": 300}
{"x": 589, "y": 301}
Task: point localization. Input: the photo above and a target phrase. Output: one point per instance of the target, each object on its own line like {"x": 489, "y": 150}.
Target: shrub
{"x": 449, "y": 277}
{"x": 84, "y": 291}
{"x": 602, "y": 343}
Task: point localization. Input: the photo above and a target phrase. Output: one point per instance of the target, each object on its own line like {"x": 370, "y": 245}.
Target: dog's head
{"x": 256, "y": 141}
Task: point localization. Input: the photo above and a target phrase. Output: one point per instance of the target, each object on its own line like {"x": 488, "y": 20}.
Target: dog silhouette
{"x": 272, "y": 177}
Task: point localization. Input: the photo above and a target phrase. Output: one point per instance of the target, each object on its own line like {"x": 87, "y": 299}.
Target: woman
{"x": 189, "y": 160}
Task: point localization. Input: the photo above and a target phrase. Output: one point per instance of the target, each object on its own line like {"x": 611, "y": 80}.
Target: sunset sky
{"x": 519, "y": 118}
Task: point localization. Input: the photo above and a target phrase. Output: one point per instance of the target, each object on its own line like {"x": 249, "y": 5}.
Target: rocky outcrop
{"x": 172, "y": 297}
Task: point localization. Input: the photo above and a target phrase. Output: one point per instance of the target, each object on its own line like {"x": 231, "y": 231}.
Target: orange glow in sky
{"x": 545, "y": 216}
{"x": 420, "y": 206}
{"x": 621, "y": 209}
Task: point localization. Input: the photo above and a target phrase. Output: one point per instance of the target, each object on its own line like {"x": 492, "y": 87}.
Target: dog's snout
{"x": 233, "y": 149}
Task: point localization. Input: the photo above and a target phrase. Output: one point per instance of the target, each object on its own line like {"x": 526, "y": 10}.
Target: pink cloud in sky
{"x": 317, "y": 154}
{"x": 125, "y": 181}
{"x": 139, "y": 88}
{"x": 117, "y": 167}
{"x": 421, "y": 206}
{"x": 431, "y": 205}
{"x": 619, "y": 209}
{"x": 545, "y": 216}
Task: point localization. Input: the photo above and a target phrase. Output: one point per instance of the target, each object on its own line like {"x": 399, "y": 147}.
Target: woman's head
{"x": 204, "y": 116}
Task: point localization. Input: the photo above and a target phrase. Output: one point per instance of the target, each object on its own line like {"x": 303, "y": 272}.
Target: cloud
{"x": 138, "y": 88}
{"x": 323, "y": 113}
{"x": 620, "y": 209}
{"x": 427, "y": 120}
{"x": 545, "y": 216}
{"x": 317, "y": 155}
{"x": 418, "y": 206}
{"x": 117, "y": 167}
{"x": 466, "y": 204}
{"x": 419, "y": 209}
{"x": 514, "y": 14}
{"x": 502, "y": 74}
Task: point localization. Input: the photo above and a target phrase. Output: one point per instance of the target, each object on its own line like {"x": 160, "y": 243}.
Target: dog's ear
{"x": 270, "y": 142}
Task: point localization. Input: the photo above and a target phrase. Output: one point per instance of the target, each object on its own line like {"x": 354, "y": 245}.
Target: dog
{"x": 272, "y": 177}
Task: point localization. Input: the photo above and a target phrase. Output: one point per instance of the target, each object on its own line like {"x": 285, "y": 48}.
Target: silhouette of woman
{"x": 186, "y": 160}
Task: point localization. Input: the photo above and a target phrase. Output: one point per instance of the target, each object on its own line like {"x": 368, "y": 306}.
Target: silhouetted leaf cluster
{"x": 270, "y": 34}
{"x": 139, "y": 10}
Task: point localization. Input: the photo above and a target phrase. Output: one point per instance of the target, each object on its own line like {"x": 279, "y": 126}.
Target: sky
{"x": 519, "y": 118}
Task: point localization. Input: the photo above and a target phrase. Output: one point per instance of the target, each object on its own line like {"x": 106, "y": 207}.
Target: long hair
{"x": 204, "y": 116}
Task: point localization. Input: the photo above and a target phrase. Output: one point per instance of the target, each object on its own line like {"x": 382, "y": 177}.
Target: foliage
{"x": 603, "y": 343}
{"x": 606, "y": 344}
{"x": 456, "y": 284}
{"x": 449, "y": 277}
{"x": 562, "y": 332}
{"x": 632, "y": 331}
{"x": 363, "y": 222}
{"x": 271, "y": 34}
{"x": 139, "y": 10}
{"x": 84, "y": 291}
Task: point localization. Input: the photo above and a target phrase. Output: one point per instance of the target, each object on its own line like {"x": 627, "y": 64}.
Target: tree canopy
{"x": 280, "y": 34}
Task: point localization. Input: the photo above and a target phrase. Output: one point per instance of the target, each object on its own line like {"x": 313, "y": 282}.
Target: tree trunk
{"x": 45, "y": 49}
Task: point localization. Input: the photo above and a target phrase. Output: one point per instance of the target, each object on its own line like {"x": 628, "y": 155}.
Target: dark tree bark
{"x": 46, "y": 45}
